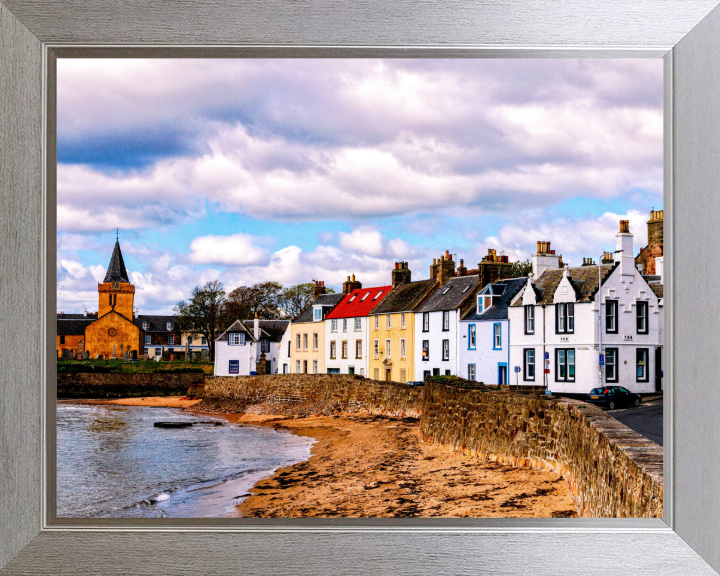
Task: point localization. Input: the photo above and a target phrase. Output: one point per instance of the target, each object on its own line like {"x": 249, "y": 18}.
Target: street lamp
{"x": 600, "y": 331}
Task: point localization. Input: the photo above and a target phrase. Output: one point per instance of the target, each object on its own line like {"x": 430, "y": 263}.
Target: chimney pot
{"x": 539, "y": 249}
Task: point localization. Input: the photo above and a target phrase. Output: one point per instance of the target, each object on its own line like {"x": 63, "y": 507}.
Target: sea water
{"x": 112, "y": 462}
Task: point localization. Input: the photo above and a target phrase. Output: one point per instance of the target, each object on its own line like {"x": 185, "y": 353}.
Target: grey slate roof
{"x": 273, "y": 330}
{"x": 73, "y": 327}
{"x": 155, "y": 323}
{"x": 499, "y": 310}
{"x": 584, "y": 280}
{"x": 90, "y": 316}
{"x": 406, "y": 297}
{"x": 116, "y": 271}
{"x": 237, "y": 326}
{"x": 306, "y": 315}
{"x": 452, "y": 295}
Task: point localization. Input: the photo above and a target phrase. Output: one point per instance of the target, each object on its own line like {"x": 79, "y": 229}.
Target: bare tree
{"x": 261, "y": 298}
{"x": 204, "y": 312}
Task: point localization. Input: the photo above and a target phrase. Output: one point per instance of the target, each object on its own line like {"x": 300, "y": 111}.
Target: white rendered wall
{"x": 486, "y": 359}
{"x": 435, "y": 336}
{"x": 351, "y": 335}
{"x": 627, "y": 289}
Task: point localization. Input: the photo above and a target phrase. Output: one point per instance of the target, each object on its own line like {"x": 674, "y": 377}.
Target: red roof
{"x": 357, "y": 304}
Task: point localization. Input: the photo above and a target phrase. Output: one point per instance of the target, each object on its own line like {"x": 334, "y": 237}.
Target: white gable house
{"x": 575, "y": 329}
{"x": 239, "y": 349}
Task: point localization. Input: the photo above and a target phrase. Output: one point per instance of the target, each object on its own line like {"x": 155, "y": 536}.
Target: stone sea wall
{"x": 118, "y": 385}
{"x": 325, "y": 393}
{"x": 612, "y": 471}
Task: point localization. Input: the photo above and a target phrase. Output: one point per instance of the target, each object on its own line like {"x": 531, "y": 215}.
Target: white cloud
{"x": 573, "y": 238}
{"x": 236, "y": 250}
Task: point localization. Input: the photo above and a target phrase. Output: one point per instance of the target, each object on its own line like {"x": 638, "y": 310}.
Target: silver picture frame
{"x": 685, "y": 33}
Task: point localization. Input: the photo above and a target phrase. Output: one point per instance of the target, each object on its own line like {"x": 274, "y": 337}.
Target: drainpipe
{"x": 543, "y": 356}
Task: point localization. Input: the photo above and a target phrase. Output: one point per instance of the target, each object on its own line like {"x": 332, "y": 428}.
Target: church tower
{"x": 115, "y": 292}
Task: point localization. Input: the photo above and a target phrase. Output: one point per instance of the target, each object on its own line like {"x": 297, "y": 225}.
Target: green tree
{"x": 296, "y": 298}
{"x": 203, "y": 313}
{"x": 521, "y": 269}
{"x": 261, "y": 298}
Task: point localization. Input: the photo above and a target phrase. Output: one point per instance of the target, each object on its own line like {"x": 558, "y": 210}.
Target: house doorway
{"x": 502, "y": 373}
{"x": 658, "y": 370}
{"x": 388, "y": 374}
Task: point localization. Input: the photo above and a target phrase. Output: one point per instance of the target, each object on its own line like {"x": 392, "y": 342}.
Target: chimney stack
{"x": 85, "y": 312}
{"x": 545, "y": 259}
{"x": 318, "y": 288}
{"x": 256, "y": 327}
{"x": 401, "y": 274}
{"x": 461, "y": 270}
{"x": 351, "y": 285}
{"x": 624, "y": 242}
{"x": 443, "y": 269}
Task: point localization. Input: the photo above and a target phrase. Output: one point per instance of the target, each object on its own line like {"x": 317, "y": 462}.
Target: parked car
{"x": 415, "y": 383}
{"x": 612, "y": 397}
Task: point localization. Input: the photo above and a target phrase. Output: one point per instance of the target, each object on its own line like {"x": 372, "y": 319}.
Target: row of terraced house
{"x": 568, "y": 329}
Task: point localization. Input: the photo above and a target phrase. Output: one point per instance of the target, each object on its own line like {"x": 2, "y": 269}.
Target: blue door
{"x": 502, "y": 373}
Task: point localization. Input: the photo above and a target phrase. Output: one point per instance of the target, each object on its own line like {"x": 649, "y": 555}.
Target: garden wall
{"x": 119, "y": 385}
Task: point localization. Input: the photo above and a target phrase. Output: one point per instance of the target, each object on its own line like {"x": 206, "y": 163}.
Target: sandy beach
{"x": 376, "y": 467}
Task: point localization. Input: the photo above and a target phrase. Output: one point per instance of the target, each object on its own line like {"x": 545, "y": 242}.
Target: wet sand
{"x": 150, "y": 401}
{"x": 376, "y": 467}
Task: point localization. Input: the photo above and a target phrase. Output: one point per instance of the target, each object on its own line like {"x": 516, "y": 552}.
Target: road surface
{"x": 646, "y": 420}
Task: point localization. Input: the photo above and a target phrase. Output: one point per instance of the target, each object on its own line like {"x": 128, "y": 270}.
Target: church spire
{"x": 116, "y": 271}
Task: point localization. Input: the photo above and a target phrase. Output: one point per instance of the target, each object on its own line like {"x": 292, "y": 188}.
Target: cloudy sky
{"x": 289, "y": 170}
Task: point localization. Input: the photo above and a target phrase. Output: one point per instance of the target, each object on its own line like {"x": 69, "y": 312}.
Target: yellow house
{"x": 307, "y": 335}
{"x": 392, "y": 329}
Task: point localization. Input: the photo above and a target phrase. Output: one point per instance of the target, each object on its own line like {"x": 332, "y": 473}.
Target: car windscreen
{"x": 596, "y": 391}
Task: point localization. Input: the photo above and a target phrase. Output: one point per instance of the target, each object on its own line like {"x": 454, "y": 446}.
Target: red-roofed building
{"x": 346, "y": 331}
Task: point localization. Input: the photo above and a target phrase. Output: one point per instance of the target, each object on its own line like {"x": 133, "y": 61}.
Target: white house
{"x": 484, "y": 353}
{"x": 239, "y": 348}
{"x": 574, "y": 329}
{"x": 436, "y": 327}
{"x": 346, "y": 331}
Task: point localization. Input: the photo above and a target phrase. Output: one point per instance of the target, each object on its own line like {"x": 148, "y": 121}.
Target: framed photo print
{"x": 407, "y": 288}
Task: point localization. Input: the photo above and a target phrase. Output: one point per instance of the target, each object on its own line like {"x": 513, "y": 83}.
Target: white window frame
{"x": 446, "y": 320}
{"x": 446, "y": 350}
{"x": 315, "y": 341}
{"x": 426, "y": 322}
{"x": 358, "y": 348}
{"x": 236, "y": 339}
{"x": 145, "y": 325}
{"x": 317, "y": 314}
{"x": 530, "y": 319}
{"x": 333, "y": 349}
{"x": 169, "y": 325}
{"x": 344, "y": 350}
{"x": 471, "y": 372}
{"x": 305, "y": 342}
{"x": 402, "y": 321}
{"x": 171, "y": 339}
{"x": 527, "y": 364}
{"x": 344, "y": 324}
{"x": 298, "y": 367}
{"x": 497, "y": 336}
{"x": 298, "y": 342}
{"x": 402, "y": 347}
{"x": 315, "y": 367}
{"x": 387, "y": 348}
{"x": 388, "y": 322}
{"x": 148, "y": 339}
{"x": 333, "y": 325}
{"x": 358, "y": 324}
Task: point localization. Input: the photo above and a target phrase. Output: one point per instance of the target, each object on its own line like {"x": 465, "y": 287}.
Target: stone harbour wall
{"x": 119, "y": 385}
{"x": 612, "y": 471}
{"x": 328, "y": 392}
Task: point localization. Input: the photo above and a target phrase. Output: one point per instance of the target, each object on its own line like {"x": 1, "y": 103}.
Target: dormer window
{"x": 366, "y": 295}
{"x": 169, "y": 325}
{"x": 353, "y": 298}
{"x": 236, "y": 339}
{"x": 446, "y": 290}
{"x": 466, "y": 289}
{"x": 317, "y": 314}
{"x": 145, "y": 325}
